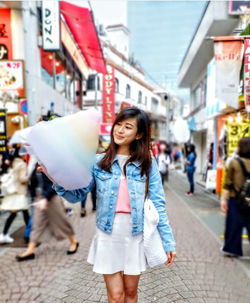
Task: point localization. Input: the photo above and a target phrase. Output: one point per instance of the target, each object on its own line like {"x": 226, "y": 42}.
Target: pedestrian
{"x": 120, "y": 177}
{"x": 49, "y": 213}
{"x": 83, "y": 203}
{"x": 14, "y": 187}
{"x": 236, "y": 218}
{"x": 190, "y": 167}
{"x": 163, "y": 161}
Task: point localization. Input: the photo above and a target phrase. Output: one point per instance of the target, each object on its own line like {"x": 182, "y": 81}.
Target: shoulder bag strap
{"x": 243, "y": 167}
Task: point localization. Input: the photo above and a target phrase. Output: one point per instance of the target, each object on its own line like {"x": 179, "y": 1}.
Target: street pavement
{"x": 199, "y": 274}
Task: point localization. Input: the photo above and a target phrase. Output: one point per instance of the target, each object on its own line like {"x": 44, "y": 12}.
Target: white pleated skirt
{"x": 118, "y": 251}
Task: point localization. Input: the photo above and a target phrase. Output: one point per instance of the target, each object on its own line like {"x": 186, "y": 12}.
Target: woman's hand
{"x": 171, "y": 256}
{"x": 41, "y": 204}
{"x": 43, "y": 169}
{"x": 224, "y": 205}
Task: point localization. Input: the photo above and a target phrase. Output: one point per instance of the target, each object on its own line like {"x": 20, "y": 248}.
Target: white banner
{"x": 228, "y": 59}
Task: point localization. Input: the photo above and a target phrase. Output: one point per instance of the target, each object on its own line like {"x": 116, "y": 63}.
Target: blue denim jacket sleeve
{"x": 75, "y": 195}
{"x": 157, "y": 196}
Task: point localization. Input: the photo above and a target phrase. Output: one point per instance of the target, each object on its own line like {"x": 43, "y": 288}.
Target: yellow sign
{"x": 236, "y": 131}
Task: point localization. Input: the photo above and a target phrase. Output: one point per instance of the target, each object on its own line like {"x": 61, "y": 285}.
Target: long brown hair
{"x": 139, "y": 149}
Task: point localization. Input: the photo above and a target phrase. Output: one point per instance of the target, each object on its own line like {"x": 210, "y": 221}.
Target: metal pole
{"x": 96, "y": 83}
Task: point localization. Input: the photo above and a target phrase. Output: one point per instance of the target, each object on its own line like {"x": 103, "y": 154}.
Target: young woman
{"x": 236, "y": 218}
{"x": 190, "y": 167}
{"x": 18, "y": 200}
{"x": 163, "y": 161}
{"x": 120, "y": 178}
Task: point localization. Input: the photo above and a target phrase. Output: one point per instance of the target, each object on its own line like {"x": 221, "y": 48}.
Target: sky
{"x": 160, "y": 34}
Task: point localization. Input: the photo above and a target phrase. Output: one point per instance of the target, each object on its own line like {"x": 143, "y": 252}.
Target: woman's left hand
{"x": 171, "y": 256}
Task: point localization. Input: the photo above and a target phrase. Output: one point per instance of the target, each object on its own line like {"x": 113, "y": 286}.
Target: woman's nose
{"x": 120, "y": 129}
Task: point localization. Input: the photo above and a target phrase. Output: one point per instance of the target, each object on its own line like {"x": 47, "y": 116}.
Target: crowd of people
{"x": 130, "y": 164}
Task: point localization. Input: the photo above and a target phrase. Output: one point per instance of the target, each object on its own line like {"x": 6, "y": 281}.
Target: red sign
{"x": 108, "y": 96}
{"x": 105, "y": 129}
{"x": 5, "y": 35}
{"x": 247, "y": 75}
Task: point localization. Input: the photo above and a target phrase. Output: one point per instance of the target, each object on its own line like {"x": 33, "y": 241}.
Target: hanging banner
{"x": 108, "y": 96}
{"x": 228, "y": 59}
{"x": 51, "y": 25}
{"x": 5, "y": 34}
{"x": 236, "y": 131}
{"x": 239, "y": 7}
{"x": 3, "y": 131}
{"x": 247, "y": 75}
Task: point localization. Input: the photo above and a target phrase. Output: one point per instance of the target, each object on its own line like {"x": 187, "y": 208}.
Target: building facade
{"x": 193, "y": 74}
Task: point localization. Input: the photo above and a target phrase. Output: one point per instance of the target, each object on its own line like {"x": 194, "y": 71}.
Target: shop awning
{"x": 81, "y": 25}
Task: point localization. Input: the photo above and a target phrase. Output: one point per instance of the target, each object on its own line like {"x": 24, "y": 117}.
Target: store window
{"x": 91, "y": 82}
{"x": 116, "y": 85}
{"x": 139, "y": 97}
{"x": 60, "y": 76}
{"x": 47, "y": 67}
{"x": 128, "y": 91}
{"x": 154, "y": 104}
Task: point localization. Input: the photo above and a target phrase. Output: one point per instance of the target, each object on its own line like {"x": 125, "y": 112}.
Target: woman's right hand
{"x": 43, "y": 169}
{"x": 224, "y": 205}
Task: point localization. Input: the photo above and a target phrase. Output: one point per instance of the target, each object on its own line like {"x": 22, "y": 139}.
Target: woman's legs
{"x": 131, "y": 288}
{"x": 8, "y": 222}
{"x": 234, "y": 228}
{"x": 115, "y": 287}
{"x": 190, "y": 176}
{"x": 122, "y": 288}
{"x": 26, "y": 217}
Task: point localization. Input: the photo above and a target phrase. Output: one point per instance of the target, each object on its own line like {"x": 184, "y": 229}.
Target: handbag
{"x": 153, "y": 247}
{"x": 8, "y": 184}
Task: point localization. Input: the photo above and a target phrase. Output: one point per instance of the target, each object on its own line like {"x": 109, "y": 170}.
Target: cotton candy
{"x": 67, "y": 146}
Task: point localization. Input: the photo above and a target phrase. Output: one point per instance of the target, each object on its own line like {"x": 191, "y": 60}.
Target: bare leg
{"x": 73, "y": 243}
{"x": 115, "y": 288}
{"x": 30, "y": 249}
{"x": 131, "y": 288}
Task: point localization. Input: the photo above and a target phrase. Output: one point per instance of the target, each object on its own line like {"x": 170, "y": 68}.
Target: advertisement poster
{"x": 236, "y": 131}
{"x": 108, "y": 97}
{"x": 11, "y": 76}
{"x": 237, "y": 7}
{"x": 228, "y": 60}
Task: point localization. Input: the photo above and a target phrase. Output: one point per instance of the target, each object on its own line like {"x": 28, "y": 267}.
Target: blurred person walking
{"x": 236, "y": 189}
{"x": 120, "y": 176}
{"x": 163, "y": 161}
{"x": 190, "y": 167}
{"x": 14, "y": 186}
{"x": 49, "y": 213}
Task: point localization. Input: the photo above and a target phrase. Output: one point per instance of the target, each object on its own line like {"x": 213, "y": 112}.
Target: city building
{"x": 46, "y": 58}
{"x": 217, "y": 20}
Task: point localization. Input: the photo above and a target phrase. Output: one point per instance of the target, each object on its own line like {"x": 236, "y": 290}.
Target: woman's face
{"x": 125, "y": 132}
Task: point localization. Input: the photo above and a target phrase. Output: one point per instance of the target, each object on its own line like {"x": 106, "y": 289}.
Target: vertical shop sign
{"x": 3, "y": 131}
{"x": 228, "y": 59}
{"x": 247, "y": 75}
{"x": 51, "y": 25}
{"x": 108, "y": 102}
{"x": 5, "y": 34}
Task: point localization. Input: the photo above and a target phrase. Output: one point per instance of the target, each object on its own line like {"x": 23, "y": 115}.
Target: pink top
{"x": 123, "y": 200}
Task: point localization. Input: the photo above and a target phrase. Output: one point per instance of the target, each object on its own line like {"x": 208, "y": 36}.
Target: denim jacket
{"x": 107, "y": 190}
